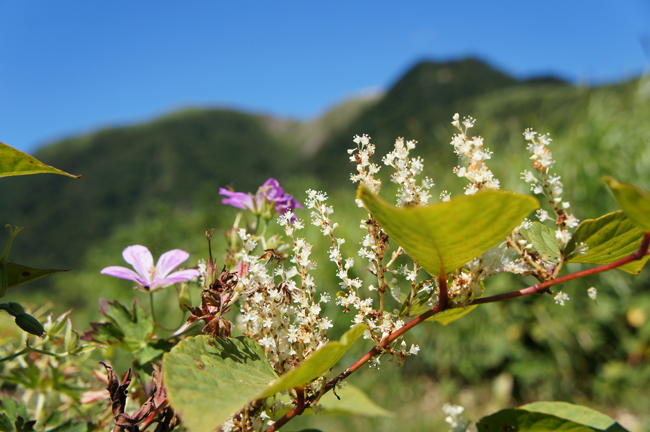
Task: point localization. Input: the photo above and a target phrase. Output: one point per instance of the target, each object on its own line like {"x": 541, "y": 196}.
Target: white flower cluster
{"x": 405, "y": 175}
{"x": 380, "y": 325}
{"x": 365, "y": 169}
{"x": 550, "y": 186}
{"x": 455, "y": 418}
{"x": 279, "y": 308}
{"x": 474, "y": 154}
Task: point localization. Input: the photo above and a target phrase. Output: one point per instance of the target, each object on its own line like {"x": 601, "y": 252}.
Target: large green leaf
{"x": 353, "y": 402}
{"x": 634, "y": 201}
{"x": 576, "y": 413}
{"x": 208, "y": 380}
{"x": 451, "y": 315}
{"x": 14, "y": 162}
{"x": 19, "y": 274}
{"x": 543, "y": 240}
{"x": 610, "y": 238}
{"x": 450, "y": 233}
{"x": 519, "y": 420}
{"x": 318, "y": 364}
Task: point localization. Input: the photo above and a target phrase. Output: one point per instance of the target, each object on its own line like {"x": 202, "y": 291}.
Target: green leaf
{"x": 519, "y": 420}
{"x": 20, "y": 274}
{"x": 543, "y": 240}
{"x": 70, "y": 426}
{"x": 576, "y": 413}
{"x": 14, "y": 162}
{"x": 451, "y": 315}
{"x": 318, "y": 364}
{"x": 450, "y": 233}
{"x": 129, "y": 330}
{"x": 353, "y": 402}
{"x": 610, "y": 238}
{"x": 208, "y": 380}
{"x": 634, "y": 201}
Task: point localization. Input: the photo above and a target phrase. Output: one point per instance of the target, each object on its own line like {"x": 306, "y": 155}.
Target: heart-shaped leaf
{"x": 634, "y": 201}
{"x": 609, "y": 238}
{"x": 208, "y": 380}
{"x": 576, "y": 413}
{"x": 14, "y": 162}
{"x": 543, "y": 240}
{"x": 519, "y": 420}
{"x": 450, "y": 234}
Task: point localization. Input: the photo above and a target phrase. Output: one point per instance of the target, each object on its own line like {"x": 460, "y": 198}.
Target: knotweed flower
{"x": 270, "y": 198}
{"x": 148, "y": 276}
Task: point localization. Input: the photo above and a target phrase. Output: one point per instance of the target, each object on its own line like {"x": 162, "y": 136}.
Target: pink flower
{"x": 148, "y": 276}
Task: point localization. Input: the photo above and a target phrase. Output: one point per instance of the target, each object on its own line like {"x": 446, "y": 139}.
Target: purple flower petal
{"x": 169, "y": 261}
{"x": 141, "y": 260}
{"x": 238, "y": 199}
{"x": 178, "y": 276}
{"x": 272, "y": 190}
{"x": 123, "y": 273}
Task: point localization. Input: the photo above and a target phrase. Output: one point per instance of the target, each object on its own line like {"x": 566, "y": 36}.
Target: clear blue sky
{"x": 68, "y": 67}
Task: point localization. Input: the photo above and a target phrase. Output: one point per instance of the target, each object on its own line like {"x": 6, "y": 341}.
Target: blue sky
{"x": 70, "y": 67}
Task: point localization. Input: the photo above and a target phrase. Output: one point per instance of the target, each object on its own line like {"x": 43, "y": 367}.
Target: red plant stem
{"x": 641, "y": 252}
{"x": 439, "y": 307}
{"x": 295, "y": 411}
{"x": 637, "y": 255}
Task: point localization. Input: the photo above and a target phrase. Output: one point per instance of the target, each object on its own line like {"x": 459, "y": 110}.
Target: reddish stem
{"x": 637, "y": 255}
{"x": 641, "y": 252}
{"x": 295, "y": 411}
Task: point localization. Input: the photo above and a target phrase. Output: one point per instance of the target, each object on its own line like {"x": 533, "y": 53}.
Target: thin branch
{"x": 641, "y": 252}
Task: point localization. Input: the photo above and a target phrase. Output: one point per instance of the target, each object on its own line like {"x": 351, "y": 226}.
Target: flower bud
{"x": 30, "y": 324}
{"x": 71, "y": 339}
{"x": 12, "y": 308}
{"x": 184, "y": 297}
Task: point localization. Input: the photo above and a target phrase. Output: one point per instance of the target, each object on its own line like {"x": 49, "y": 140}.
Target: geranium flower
{"x": 270, "y": 197}
{"x": 148, "y": 276}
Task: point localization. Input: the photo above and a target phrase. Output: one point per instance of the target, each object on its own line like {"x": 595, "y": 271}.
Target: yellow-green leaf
{"x": 609, "y": 238}
{"x": 576, "y": 413}
{"x": 13, "y": 162}
{"x": 634, "y": 201}
{"x": 317, "y": 364}
{"x": 451, "y": 315}
{"x": 208, "y": 380}
{"x": 450, "y": 233}
{"x": 543, "y": 240}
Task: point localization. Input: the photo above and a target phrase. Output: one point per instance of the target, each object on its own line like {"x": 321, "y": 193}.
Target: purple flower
{"x": 270, "y": 197}
{"x": 148, "y": 276}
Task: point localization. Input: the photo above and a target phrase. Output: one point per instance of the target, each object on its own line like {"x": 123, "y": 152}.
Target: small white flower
{"x": 414, "y": 350}
{"x": 561, "y": 297}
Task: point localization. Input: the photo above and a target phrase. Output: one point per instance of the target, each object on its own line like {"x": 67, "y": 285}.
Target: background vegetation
{"x": 157, "y": 184}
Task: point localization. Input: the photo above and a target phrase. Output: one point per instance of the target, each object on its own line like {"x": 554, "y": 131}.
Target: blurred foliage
{"x": 157, "y": 185}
